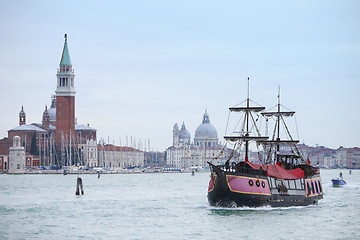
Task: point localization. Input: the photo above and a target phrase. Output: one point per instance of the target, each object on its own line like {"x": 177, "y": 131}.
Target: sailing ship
{"x": 281, "y": 178}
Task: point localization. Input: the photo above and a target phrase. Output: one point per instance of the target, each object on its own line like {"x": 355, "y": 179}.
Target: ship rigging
{"x": 281, "y": 177}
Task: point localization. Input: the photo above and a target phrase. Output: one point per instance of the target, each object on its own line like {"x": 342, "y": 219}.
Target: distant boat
{"x": 337, "y": 182}
{"x": 282, "y": 178}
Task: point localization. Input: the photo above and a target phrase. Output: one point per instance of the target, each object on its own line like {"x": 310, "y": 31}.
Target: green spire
{"x": 65, "y": 58}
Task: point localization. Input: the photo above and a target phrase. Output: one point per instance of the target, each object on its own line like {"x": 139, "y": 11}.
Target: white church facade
{"x": 185, "y": 153}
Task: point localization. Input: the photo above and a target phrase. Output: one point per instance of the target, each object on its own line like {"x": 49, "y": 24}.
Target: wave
{"x": 347, "y": 185}
{"x": 263, "y": 208}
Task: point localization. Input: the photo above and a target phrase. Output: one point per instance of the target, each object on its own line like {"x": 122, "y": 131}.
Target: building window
{"x": 28, "y": 161}
{"x": 18, "y": 166}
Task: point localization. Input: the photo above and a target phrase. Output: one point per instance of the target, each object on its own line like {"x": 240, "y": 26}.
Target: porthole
{"x": 257, "y": 183}
{"x": 251, "y": 183}
{"x": 263, "y": 184}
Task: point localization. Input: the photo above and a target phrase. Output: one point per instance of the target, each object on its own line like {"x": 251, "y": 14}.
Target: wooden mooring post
{"x": 79, "y": 186}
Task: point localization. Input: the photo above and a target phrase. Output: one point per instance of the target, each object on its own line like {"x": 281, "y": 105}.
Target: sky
{"x": 142, "y": 66}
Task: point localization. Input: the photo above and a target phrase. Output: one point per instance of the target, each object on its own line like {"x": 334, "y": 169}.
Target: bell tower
{"x": 22, "y": 117}
{"x": 65, "y": 98}
{"x": 46, "y": 118}
{"x": 175, "y": 135}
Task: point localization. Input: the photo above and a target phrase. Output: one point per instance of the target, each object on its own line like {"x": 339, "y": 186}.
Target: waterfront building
{"x": 115, "y": 158}
{"x": 353, "y": 157}
{"x": 329, "y": 160}
{"x": 205, "y": 147}
{"x": 4, "y": 156}
{"x": 16, "y": 157}
{"x": 341, "y": 157}
{"x": 58, "y": 140}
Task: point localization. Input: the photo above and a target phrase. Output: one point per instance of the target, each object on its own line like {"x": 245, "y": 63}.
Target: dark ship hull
{"x": 255, "y": 188}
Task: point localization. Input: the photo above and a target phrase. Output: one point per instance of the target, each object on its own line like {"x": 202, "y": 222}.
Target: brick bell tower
{"x": 65, "y": 99}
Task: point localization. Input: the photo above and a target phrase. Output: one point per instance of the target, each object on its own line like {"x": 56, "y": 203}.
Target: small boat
{"x": 282, "y": 178}
{"x": 337, "y": 182}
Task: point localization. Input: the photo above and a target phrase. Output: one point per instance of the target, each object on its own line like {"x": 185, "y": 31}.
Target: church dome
{"x": 184, "y": 134}
{"x": 52, "y": 114}
{"x": 52, "y": 110}
{"x": 206, "y": 129}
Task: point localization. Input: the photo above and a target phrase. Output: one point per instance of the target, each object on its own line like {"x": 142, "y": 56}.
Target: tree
{"x": 34, "y": 150}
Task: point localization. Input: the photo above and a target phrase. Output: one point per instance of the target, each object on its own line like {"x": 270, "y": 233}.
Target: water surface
{"x": 164, "y": 206}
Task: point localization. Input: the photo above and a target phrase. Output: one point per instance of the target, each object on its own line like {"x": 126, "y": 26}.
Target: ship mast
{"x": 278, "y": 127}
{"x": 249, "y": 123}
{"x": 278, "y": 114}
